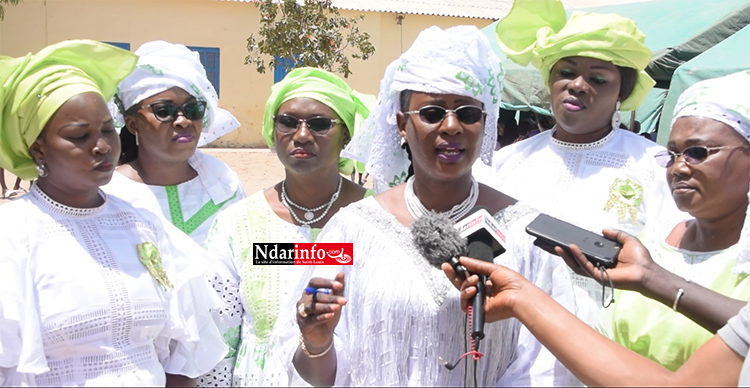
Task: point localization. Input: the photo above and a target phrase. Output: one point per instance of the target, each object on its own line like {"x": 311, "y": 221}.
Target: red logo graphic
{"x": 323, "y": 254}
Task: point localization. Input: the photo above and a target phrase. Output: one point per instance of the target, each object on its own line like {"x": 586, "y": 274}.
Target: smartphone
{"x": 597, "y": 249}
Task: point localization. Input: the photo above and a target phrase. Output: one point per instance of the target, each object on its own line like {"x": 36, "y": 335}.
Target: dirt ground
{"x": 257, "y": 168}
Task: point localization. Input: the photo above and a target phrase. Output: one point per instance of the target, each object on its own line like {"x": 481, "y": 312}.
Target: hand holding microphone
{"x": 478, "y": 236}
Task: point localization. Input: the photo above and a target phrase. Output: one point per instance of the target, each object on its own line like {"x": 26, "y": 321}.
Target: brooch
{"x": 626, "y": 196}
{"x": 149, "y": 257}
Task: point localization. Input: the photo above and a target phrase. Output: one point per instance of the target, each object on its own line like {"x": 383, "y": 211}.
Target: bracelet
{"x": 680, "y": 292}
{"x": 308, "y": 354}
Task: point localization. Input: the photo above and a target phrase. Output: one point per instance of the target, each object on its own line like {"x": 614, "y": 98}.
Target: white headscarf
{"x": 726, "y": 100}
{"x": 458, "y": 61}
{"x": 162, "y": 66}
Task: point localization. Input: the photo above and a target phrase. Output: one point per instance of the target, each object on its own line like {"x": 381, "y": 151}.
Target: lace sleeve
{"x": 225, "y": 281}
{"x": 20, "y": 330}
{"x": 190, "y": 344}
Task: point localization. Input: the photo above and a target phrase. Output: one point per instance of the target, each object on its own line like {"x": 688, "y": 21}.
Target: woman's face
{"x": 445, "y": 149}
{"x": 308, "y": 147}
{"x": 718, "y": 185}
{"x": 584, "y": 92}
{"x": 79, "y": 145}
{"x": 170, "y": 140}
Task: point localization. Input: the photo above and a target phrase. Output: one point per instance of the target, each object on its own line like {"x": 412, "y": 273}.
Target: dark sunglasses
{"x": 692, "y": 155}
{"x": 167, "y": 112}
{"x": 287, "y": 124}
{"x": 433, "y": 114}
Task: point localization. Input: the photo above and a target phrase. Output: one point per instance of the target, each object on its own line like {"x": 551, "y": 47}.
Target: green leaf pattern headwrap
{"x": 536, "y": 31}
{"x": 326, "y": 88}
{"x": 34, "y": 87}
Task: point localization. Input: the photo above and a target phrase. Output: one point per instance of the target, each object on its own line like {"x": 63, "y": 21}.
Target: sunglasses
{"x": 692, "y": 155}
{"x": 288, "y": 124}
{"x": 433, "y": 114}
{"x": 167, "y": 112}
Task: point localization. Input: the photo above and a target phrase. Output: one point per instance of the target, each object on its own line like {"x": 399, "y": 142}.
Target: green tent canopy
{"x": 675, "y": 30}
{"x": 727, "y": 57}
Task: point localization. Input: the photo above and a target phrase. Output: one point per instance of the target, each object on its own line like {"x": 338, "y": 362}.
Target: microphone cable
{"x": 474, "y": 353}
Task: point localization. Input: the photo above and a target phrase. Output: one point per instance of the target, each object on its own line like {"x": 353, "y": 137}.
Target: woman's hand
{"x": 504, "y": 287}
{"x": 320, "y": 313}
{"x": 634, "y": 264}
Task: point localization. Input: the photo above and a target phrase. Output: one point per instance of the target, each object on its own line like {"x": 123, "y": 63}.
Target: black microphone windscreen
{"x": 436, "y": 238}
{"x": 480, "y": 250}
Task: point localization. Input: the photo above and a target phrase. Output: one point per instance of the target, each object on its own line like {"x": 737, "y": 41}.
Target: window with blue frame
{"x": 210, "y": 60}
{"x": 124, "y": 46}
{"x": 281, "y": 71}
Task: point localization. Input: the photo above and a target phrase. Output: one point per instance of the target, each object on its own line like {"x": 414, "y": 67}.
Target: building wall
{"x": 34, "y": 24}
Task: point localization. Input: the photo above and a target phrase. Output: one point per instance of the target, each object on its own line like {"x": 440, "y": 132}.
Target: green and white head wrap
{"x": 726, "y": 100}
{"x": 457, "y": 61}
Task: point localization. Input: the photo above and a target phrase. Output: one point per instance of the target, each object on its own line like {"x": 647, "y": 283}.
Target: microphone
{"x": 477, "y": 236}
{"x": 438, "y": 241}
{"x": 485, "y": 242}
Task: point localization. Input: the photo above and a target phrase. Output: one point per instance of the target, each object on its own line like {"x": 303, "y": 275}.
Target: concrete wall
{"x": 34, "y": 24}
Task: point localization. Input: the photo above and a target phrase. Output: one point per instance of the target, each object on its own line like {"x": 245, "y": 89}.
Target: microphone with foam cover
{"x": 438, "y": 240}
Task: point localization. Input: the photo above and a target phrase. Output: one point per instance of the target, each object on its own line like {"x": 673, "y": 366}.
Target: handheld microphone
{"x": 438, "y": 241}
{"x": 485, "y": 242}
{"x": 477, "y": 236}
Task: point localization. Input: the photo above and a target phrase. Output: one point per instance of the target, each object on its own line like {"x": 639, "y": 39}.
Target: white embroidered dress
{"x": 402, "y": 314}
{"x": 612, "y": 183}
{"x": 191, "y": 206}
{"x": 78, "y": 308}
{"x": 253, "y": 295}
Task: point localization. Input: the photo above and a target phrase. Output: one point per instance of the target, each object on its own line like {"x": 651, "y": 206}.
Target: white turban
{"x": 162, "y": 66}
{"x": 458, "y": 61}
{"x": 726, "y": 100}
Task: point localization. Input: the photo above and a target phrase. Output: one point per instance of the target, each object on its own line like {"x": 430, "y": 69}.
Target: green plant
{"x": 310, "y": 34}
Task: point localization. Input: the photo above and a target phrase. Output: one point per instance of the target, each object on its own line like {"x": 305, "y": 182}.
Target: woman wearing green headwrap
{"x": 586, "y": 170}
{"x": 92, "y": 291}
{"x": 309, "y": 118}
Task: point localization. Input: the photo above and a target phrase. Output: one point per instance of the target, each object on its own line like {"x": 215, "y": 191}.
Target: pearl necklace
{"x": 416, "y": 208}
{"x": 309, "y": 213}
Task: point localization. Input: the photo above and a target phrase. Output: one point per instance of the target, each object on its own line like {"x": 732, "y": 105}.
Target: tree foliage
{"x": 5, "y": 3}
{"x": 310, "y": 33}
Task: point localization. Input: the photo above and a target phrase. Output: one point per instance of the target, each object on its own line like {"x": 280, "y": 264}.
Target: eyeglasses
{"x": 433, "y": 114}
{"x": 692, "y": 155}
{"x": 288, "y": 124}
{"x": 167, "y": 112}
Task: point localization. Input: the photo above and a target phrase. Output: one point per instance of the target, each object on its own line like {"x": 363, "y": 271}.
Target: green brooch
{"x": 149, "y": 256}
{"x": 625, "y": 195}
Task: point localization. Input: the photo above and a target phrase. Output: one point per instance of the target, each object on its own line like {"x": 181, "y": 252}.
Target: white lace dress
{"x": 254, "y": 296}
{"x": 78, "y": 308}
{"x": 191, "y": 206}
{"x": 612, "y": 183}
{"x": 403, "y": 314}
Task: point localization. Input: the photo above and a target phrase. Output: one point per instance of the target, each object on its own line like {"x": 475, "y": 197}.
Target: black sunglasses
{"x": 692, "y": 155}
{"x": 433, "y": 114}
{"x": 167, "y": 112}
{"x": 288, "y": 124}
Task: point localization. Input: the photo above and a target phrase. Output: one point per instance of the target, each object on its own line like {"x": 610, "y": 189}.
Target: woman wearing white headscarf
{"x": 401, "y": 315}
{"x": 168, "y": 108}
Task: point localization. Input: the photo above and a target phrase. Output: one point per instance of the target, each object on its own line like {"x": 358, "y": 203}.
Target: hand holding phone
{"x": 598, "y": 250}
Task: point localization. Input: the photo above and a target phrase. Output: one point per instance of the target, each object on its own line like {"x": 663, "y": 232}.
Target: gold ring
{"x": 301, "y": 310}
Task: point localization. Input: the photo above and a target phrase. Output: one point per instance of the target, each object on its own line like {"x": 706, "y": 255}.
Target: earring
{"x": 136, "y": 139}
{"x": 616, "y": 116}
{"x": 41, "y": 169}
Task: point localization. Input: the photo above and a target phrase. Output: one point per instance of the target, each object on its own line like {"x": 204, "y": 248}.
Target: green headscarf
{"x": 326, "y": 88}
{"x": 32, "y": 89}
{"x": 536, "y": 31}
